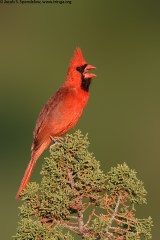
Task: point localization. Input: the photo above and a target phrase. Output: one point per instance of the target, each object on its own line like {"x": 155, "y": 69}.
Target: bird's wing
{"x": 43, "y": 119}
{"x": 54, "y": 117}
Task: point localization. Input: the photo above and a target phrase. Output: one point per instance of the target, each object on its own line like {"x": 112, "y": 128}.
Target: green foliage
{"x": 76, "y": 196}
{"x": 121, "y": 179}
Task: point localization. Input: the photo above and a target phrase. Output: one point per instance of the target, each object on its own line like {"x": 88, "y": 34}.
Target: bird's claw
{"x": 57, "y": 140}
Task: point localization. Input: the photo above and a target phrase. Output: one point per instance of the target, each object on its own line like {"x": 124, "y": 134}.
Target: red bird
{"x": 62, "y": 111}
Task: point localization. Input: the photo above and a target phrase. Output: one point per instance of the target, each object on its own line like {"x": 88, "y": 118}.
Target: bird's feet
{"x": 57, "y": 140}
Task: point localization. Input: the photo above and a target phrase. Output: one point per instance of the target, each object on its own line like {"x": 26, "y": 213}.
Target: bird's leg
{"x": 56, "y": 140}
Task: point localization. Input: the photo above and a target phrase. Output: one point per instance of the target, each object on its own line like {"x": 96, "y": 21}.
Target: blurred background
{"x": 122, "y": 39}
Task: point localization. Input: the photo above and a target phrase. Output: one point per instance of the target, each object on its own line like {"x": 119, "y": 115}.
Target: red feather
{"x": 61, "y": 112}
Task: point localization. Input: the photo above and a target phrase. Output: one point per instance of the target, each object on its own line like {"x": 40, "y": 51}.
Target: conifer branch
{"x": 114, "y": 214}
{"x": 75, "y": 195}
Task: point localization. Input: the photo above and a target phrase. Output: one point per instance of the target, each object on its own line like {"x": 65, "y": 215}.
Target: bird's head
{"x": 78, "y": 72}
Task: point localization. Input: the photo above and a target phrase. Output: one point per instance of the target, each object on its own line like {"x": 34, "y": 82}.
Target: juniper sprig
{"x": 76, "y": 198}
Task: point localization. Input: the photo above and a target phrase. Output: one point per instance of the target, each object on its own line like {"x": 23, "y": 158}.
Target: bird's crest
{"x": 77, "y": 59}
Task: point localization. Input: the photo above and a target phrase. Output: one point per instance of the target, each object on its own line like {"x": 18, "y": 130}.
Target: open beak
{"x": 88, "y": 74}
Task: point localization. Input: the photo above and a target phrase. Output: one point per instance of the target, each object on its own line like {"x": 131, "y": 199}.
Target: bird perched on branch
{"x": 62, "y": 111}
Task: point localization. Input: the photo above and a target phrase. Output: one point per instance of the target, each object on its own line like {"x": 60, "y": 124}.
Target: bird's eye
{"x": 81, "y": 68}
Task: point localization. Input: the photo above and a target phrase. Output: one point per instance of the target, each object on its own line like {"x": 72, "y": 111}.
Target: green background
{"x": 122, "y": 39}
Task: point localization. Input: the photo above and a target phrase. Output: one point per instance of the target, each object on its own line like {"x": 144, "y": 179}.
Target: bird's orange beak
{"x": 87, "y": 74}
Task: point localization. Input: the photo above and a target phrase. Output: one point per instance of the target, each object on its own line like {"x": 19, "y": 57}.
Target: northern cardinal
{"x": 62, "y": 111}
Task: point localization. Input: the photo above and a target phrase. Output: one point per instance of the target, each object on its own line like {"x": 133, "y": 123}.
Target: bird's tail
{"x": 35, "y": 155}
